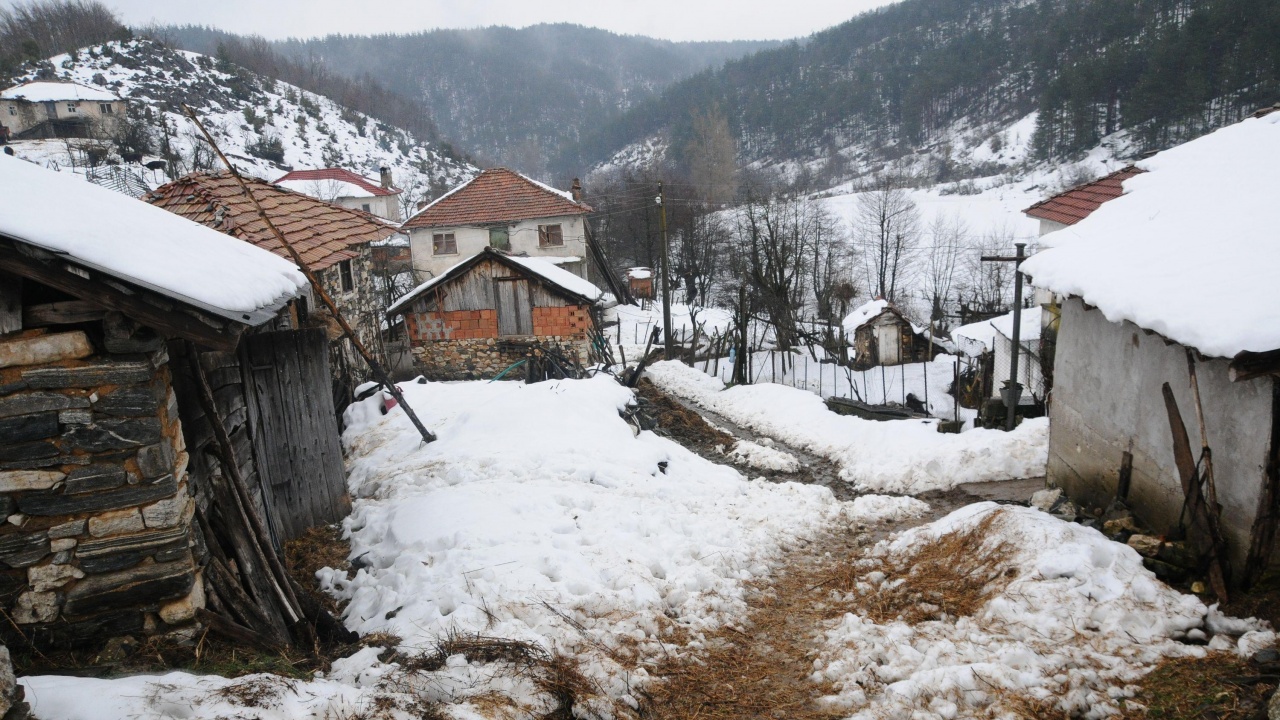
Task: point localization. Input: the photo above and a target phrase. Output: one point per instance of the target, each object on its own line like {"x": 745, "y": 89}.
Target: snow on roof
{"x": 863, "y": 314}
{"x": 333, "y": 183}
{"x": 561, "y": 277}
{"x": 639, "y": 273}
{"x": 539, "y": 266}
{"x": 95, "y": 227}
{"x": 1031, "y": 318}
{"x": 45, "y": 91}
{"x": 975, "y": 338}
{"x": 1190, "y": 250}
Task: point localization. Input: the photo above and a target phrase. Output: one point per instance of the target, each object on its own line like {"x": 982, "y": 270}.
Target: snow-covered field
{"x": 901, "y": 456}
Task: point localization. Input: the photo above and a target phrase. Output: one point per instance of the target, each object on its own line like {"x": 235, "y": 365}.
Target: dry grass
{"x": 952, "y": 576}
{"x": 761, "y": 670}
{"x": 319, "y": 547}
{"x": 1220, "y": 686}
{"x": 679, "y": 422}
{"x": 259, "y": 691}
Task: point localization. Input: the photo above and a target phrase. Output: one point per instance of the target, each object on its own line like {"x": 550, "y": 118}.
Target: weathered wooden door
{"x": 295, "y": 436}
{"x": 515, "y": 312}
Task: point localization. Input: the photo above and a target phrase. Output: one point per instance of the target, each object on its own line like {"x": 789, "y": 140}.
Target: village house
{"x": 148, "y": 366}
{"x": 1168, "y": 288}
{"x": 347, "y": 189}
{"x": 49, "y": 109}
{"x": 334, "y": 241}
{"x": 881, "y": 335}
{"x": 493, "y": 310}
{"x": 506, "y": 211}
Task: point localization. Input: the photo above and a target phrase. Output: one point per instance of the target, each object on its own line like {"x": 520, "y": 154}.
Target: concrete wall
{"x": 384, "y": 206}
{"x": 523, "y": 237}
{"x": 1107, "y": 399}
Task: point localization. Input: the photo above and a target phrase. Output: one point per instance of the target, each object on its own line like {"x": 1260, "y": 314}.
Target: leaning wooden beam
{"x": 378, "y": 373}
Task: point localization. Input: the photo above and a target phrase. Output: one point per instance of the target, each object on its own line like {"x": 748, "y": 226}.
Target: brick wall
{"x": 456, "y": 325}
{"x": 572, "y": 321}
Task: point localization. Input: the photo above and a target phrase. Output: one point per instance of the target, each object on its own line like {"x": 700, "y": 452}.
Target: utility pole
{"x": 669, "y": 350}
{"x": 1012, "y": 390}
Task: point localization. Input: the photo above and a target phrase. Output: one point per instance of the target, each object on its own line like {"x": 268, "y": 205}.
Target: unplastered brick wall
{"x": 569, "y": 321}
{"x": 453, "y": 325}
{"x": 96, "y": 539}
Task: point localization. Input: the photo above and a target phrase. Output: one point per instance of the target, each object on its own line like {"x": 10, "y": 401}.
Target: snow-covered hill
{"x": 265, "y": 126}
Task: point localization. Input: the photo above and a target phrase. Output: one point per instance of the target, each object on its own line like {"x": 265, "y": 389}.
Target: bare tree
{"x": 831, "y": 270}
{"x": 37, "y": 30}
{"x": 698, "y": 244}
{"x": 990, "y": 283}
{"x": 887, "y": 227}
{"x": 947, "y": 239}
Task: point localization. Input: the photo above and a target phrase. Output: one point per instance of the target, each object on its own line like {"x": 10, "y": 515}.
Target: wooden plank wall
{"x": 474, "y": 290}
{"x": 223, "y": 371}
{"x": 295, "y": 433}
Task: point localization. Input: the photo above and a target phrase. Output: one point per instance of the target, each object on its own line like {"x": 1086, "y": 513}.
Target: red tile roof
{"x": 494, "y": 196}
{"x": 323, "y": 234}
{"x": 342, "y": 175}
{"x": 1079, "y": 202}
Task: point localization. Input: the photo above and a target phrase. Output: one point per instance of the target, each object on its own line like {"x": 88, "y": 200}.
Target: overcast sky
{"x": 670, "y": 19}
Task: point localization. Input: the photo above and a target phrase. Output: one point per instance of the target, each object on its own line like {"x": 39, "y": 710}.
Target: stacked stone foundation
{"x": 96, "y": 539}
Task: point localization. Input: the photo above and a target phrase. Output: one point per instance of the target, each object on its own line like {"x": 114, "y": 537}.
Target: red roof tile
{"x": 342, "y": 175}
{"x": 1079, "y": 202}
{"x": 494, "y": 196}
{"x": 323, "y": 234}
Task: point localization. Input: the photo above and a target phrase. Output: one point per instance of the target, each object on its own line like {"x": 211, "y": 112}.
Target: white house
{"x": 505, "y": 210}
{"x": 49, "y": 109}
{"x": 346, "y": 189}
{"x": 1177, "y": 275}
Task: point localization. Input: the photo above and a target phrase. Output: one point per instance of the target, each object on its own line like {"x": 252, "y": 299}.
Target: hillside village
{"x": 304, "y": 414}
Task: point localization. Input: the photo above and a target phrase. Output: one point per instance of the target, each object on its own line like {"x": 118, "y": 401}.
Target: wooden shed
{"x": 493, "y": 310}
{"x": 882, "y": 335}
{"x": 149, "y": 367}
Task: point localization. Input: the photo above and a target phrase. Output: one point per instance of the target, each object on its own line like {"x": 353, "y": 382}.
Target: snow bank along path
{"x": 901, "y": 456}
{"x": 1080, "y": 622}
{"x": 539, "y": 497}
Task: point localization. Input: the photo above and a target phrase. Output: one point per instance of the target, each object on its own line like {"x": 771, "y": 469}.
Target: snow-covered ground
{"x": 900, "y": 456}
{"x": 1080, "y": 621}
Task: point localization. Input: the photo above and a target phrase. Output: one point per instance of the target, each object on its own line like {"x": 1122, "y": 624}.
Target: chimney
{"x": 386, "y": 177}
{"x": 576, "y": 190}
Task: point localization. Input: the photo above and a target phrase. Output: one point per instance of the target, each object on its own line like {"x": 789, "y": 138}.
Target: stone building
{"x": 335, "y": 242}
{"x": 1174, "y": 281}
{"x": 112, "y": 315}
{"x": 491, "y": 311}
{"x": 347, "y": 189}
{"x": 57, "y": 109}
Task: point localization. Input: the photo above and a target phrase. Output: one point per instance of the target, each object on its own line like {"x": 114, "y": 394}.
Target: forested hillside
{"x": 894, "y": 79}
{"x": 512, "y": 96}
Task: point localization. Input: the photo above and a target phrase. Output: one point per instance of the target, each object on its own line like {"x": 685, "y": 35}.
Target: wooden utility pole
{"x": 378, "y": 373}
{"x": 669, "y": 349}
{"x": 1012, "y": 390}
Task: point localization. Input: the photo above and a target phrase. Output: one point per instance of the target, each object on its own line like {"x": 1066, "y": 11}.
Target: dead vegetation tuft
{"x": 1221, "y": 686}
{"x": 319, "y": 547}
{"x": 679, "y": 422}
{"x": 258, "y": 691}
{"x": 952, "y": 576}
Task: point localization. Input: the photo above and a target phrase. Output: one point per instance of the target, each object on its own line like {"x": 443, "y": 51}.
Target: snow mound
{"x": 1079, "y": 622}
{"x": 764, "y": 457}
{"x": 512, "y": 522}
{"x": 901, "y": 456}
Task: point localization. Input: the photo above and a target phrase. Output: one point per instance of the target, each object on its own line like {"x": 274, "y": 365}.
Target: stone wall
{"x": 96, "y": 539}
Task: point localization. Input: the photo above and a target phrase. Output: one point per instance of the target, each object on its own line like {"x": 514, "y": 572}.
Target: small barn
{"x": 58, "y": 109}
{"x": 640, "y": 281}
{"x": 493, "y": 310}
{"x": 881, "y": 335}
{"x": 1169, "y": 340}
{"x": 149, "y": 368}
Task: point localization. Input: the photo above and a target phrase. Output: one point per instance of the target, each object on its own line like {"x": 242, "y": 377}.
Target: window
{"x": 71, "y": 107}
{"x": 444, "y": 244}
{"x": 344, "y": 275}
{"x": 365, "y": 207}
{"x": 105, "y": 108}
{"x": 500, "y": 237}
{"x": 550, "y": 236}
